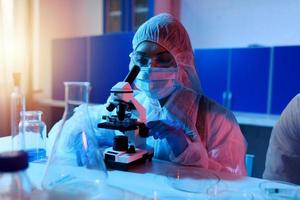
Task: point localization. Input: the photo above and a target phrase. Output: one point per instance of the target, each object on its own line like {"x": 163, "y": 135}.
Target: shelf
{"x": 256, "y": 119}
{"x": 55, "y": 103}
{"x": 52, "y": 103}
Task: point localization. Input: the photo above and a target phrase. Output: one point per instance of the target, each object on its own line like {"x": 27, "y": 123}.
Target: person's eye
{"x": 142, "y": 60}
{"x": 164, "y": 59}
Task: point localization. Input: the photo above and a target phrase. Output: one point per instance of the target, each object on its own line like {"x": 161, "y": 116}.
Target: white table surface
{"x": 149, "y": 181}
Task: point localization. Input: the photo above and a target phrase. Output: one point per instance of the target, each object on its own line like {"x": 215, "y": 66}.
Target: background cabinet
{"x": 101, "y": 60}
{"x": 212, "y": 68}
{"x": 286, "y": 76}
{"x": 258, "y": 80}
{"x": 109, "y": 63}
{"x": 249, "y": 75}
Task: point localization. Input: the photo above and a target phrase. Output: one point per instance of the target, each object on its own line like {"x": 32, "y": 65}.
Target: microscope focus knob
{"x": 131, "y": 149}
{"x": 120, "y": 143}
{"x": 110, "y": 107}
{"x": 143, "y": 130}
{"x": 121, "y": 111}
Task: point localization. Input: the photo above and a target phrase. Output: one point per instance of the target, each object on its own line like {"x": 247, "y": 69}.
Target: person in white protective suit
{"x": 186, "y": 126}
{"x": 283, "y": 155}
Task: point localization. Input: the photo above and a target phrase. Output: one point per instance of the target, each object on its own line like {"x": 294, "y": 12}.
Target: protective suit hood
{"x": 169, "y": 33}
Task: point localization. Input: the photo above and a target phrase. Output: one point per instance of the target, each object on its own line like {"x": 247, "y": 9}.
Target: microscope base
{"x": 125, "y": 166}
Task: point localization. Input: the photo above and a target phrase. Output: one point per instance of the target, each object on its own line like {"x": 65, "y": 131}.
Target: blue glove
{"x": 161, "y": 129}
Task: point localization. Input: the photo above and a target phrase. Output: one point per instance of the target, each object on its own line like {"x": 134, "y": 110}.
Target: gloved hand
{"x": 161, "y": 129}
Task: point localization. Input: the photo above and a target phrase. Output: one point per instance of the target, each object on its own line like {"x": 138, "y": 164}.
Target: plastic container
{"x": 249, "y": 159}
{"x": 14, "y": 183}
{"x": 75, "y": 164}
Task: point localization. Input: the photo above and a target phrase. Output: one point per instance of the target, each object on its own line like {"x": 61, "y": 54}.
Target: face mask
{"x": 157, "y": 82}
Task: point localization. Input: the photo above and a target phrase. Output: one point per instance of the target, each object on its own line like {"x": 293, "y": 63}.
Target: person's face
{"x": 150, "y": 54}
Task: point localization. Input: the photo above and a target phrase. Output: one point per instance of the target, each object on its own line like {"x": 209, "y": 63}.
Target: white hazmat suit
{"x": 214, "y": 137}
{"x": 283, "y": 155}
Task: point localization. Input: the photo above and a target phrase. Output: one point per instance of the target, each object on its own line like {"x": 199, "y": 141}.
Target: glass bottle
{"x": 17, "y": 106}
{"x": 14, "y": 182}
{"x": 34, "y": 135}
{"x": 75, "y": 158}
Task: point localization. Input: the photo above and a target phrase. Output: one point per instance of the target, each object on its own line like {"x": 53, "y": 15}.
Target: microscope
{"x": 128, "y": 116}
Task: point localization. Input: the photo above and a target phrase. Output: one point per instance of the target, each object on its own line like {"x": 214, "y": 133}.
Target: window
{"x": 140, "y": 13}
{"x": 126, "y": 15}
{"x": 114, "y": 15}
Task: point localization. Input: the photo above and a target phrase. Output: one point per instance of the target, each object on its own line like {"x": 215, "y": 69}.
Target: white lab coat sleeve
{"x": 225, "y": 149}
{"x": 226, "y": 145}
{"x": 195, "y": 154}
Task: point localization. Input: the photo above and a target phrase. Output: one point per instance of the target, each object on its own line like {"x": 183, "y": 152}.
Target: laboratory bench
{"x": 155, "y": 180}
{"x": 256, "y": 128}
{"x": 165, "y": 180}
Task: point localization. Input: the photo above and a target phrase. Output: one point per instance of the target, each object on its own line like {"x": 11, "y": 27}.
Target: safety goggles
{"x": 163, "y": 59}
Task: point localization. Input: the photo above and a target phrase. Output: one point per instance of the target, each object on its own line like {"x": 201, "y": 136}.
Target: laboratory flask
{"x": 14, "y": 182}
{"x": 34, "y": 135}
{"x": 75, "y": 164}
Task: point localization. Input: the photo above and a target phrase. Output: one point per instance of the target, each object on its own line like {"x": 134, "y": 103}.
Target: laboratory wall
{"x": 61, "y": 19}
{"x": 236, "y": 23}
{"x": 64, "y": 19}
{"x": 169, "y": 6}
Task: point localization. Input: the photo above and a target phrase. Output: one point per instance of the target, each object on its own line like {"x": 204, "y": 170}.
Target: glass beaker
{"x": 34, "y": 134}
{"x": 75, "y": 159}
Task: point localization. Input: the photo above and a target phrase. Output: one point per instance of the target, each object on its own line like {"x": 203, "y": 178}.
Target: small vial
{"x": 34, "y": 135}
{"x": 17, "y": 106}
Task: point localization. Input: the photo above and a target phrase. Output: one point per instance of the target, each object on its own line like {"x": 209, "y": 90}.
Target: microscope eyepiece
{"x": 132, "y": 74}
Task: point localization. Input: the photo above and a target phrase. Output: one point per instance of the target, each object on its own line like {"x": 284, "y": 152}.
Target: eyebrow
{"x": 159, "y": 53}
{"x": 163, "y": 52}
{"x": 141, "y": 52}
